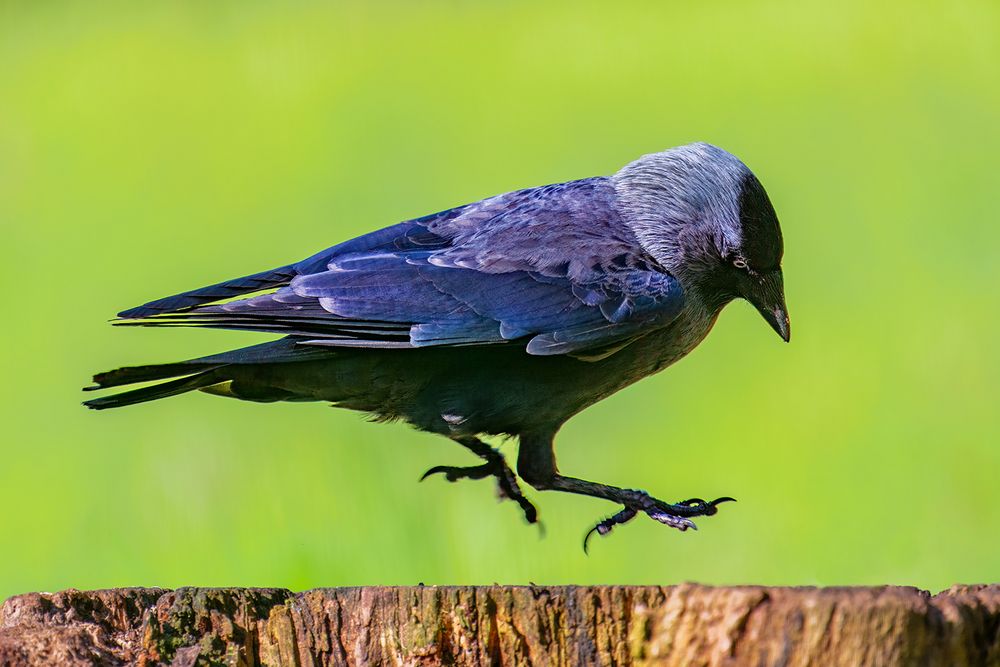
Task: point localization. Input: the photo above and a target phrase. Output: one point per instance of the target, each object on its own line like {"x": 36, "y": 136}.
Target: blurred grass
{"x": 150, "y": 148}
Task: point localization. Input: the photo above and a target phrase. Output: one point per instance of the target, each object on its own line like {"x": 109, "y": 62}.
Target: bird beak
{"x": 768, "y": 298}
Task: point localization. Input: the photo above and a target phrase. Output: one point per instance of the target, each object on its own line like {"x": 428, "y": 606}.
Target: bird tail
{"x": 212, "y": 293}
{"x": 202, "y": 373}
{"x": 181, "y": 385}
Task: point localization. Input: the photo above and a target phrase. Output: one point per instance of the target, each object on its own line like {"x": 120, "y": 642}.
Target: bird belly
{"x": 496, "y": 389}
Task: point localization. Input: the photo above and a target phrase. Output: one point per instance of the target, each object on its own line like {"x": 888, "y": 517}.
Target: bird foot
{"x": 507, "y": 486}
{"x": 677, "y": 515}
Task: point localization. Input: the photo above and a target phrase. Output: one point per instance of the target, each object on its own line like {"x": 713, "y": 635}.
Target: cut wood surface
{"x": 681, "y": 625}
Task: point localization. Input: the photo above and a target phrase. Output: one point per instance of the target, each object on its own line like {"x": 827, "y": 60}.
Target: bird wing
{"x": 554, "y": 268}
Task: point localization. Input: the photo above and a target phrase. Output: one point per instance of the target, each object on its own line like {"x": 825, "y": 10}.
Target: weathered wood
{"x": 505, "y": 625}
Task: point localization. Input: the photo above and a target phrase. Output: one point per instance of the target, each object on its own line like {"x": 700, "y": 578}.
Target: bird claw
{"x": 703, "y": 507}
{"x": 675, "y": 516}
{"x": 605, "y": 526}
{"x": 455, "y": 473}
{"x": 507, "y": 486}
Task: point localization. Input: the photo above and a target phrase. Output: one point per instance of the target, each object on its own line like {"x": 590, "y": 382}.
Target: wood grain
{"x": 681, "y": 625}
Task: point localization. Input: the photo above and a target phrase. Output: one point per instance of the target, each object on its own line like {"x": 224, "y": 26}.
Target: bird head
{"x": 702, "y": 214}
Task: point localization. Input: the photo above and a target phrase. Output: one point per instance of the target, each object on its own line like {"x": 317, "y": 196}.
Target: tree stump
{"x": 505, "y": 625}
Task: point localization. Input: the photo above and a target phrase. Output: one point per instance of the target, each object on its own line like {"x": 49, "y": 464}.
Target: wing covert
{"x": 552, "y": 267}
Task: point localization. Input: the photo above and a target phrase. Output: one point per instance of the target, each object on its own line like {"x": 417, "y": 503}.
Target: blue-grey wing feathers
{"x": 553, "y": 266}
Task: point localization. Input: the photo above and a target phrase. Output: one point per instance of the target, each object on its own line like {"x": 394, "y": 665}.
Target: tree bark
{"x": 505, "y": 625}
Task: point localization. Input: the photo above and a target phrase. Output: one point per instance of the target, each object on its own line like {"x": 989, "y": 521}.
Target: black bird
{"x": 505, "y": 317}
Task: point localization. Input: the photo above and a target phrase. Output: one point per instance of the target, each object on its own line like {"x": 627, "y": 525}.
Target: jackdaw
{"x": 503, "y": 317}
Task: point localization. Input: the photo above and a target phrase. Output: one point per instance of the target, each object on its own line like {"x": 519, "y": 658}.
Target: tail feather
{"x": 162, "y": 390}
{"x": 197, "y": 373}
{"x": 134, "y": 374}
{"x": 218, "y": 292}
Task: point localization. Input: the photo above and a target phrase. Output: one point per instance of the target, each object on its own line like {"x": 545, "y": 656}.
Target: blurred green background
{"x": 147, "y": 148}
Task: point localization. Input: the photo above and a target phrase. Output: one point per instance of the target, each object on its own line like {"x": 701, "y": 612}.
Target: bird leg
{"x": 494, "y": 466}
{"x": 536, "y": 464}
{"x": 676, "y": 515}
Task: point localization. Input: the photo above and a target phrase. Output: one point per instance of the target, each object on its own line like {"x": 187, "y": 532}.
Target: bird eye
{"x": 740, "y": 262}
